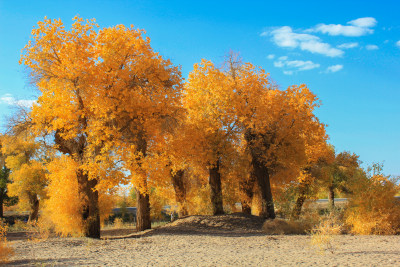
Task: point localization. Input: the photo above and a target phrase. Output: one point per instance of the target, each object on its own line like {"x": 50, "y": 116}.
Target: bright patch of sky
{"x": 347, "y": 52}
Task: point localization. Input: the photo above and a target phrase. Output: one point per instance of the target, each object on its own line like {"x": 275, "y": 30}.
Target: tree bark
{"x": 246, "y": 188}
{"x": 1, "y": 206}
{"x": 34, "y": 205}
{"x": 331, "y": 197}
{"x": 261, "y": 175}
{"x": 180, "y": 192}
{"x": 90, "y": 205}
{"x": 216, "y": 189}
{"x": 303, "y": 188}
{"x": 143, "y": 220}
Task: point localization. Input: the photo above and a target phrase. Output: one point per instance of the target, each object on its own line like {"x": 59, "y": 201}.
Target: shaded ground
{"x": 229, "y": 240}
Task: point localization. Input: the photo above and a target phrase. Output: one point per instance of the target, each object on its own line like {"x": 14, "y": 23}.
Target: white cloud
{"x": 371, "y": 47}
{"x": 364, "y": 22}
{"x": 285, "y": 37}
{"x": 347, "y": 45}
{"x": 287, "y": 72}
{"x": 357, "y": 27}
{"x": 10, "y": 100}
{"x": 298, "y": 65}
{"x": 271, "y": 56}
{"x": 334, "y": 68}
{"x": 398, "y": 43}
{"x": 283, "y": 58}
{"x": 279, "y": 64}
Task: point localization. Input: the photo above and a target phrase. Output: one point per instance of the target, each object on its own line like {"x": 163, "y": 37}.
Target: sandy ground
{"x": 233, "y": 240}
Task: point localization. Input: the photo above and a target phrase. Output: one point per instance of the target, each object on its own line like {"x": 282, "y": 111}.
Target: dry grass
{"x": 5, "y": 251}
{"x": 323, "y": 235}
{"x": 285, "y": 227}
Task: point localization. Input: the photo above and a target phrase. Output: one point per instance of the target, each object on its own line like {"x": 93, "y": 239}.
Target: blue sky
{"x": 347, "y": 52}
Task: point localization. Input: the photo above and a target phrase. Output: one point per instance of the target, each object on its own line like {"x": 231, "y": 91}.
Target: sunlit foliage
{"x": 373, "y": 209}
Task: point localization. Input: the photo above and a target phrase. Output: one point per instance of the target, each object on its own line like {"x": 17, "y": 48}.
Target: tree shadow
{"x": 40, "y": 262}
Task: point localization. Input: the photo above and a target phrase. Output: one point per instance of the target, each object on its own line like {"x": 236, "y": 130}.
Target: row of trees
{"x": 112, "y": 111}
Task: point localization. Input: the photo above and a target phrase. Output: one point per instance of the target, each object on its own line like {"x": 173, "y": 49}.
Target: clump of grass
{"x": 5, "y": 251}
{"x": 323, "y": 235}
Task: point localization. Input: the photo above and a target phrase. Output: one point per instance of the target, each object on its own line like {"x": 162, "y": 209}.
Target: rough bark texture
{"x": 246, "y": 188}
{"x": 34, "y": 205}
{"x": 261, "y": 174}
{"x": 180, "y": 192}
{"x": 216, "y": 189}
{"x": 303, "y": 188}
{"x": 90, "y": 205}
{"x": 143, "y": 221}
{"x": 331, "y": 198}
{"x": 1, "y": 206}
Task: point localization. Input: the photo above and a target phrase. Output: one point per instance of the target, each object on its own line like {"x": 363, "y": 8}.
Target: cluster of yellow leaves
{"x": 373, "y": 209}
{"x": 28, "y": 173}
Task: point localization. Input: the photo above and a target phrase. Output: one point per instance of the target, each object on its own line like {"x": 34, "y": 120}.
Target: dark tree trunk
{"x": 261, "y": 175}
{"x": 246, "y": 207}
{"x": 303, "y": 188}
{"x": 1, "y": 206}
{"x": 331, "y": 197}
{"x": 216, "y": 189}
{"x": 260, "y": 172}
{"x": 180, "y": 192}
{"x": 143, "y": 220}
{"x": 34, "y": 205}
{"x": 246, "y": 188}
{"x": 90, "y": 205}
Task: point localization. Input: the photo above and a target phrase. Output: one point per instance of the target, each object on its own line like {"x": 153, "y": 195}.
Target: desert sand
{"x": 234, "y": 240}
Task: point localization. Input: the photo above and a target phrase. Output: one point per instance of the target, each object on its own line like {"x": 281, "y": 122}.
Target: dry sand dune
{"x": 228, "y": 240}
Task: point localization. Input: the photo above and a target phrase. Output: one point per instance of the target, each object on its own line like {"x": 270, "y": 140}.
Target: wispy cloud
{"x": 294, "y": 65}
{"x": 10, "y": 100}
{"x": 398, "y": 43}
{"x": 371, "y": 47}
{"x": 348, "y": 45}
{"x": 355, "y": 28}
{"x": 334, "y": 68}
{"x": 288, "y": 72}
{"x": 285, "y": 37}
{"x": 271, "y": 56}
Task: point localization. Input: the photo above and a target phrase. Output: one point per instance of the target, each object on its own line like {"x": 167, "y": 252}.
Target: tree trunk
{"x": 261, "y": 175}
{"x": 34, "y": 205}
{"x": 216, "y": 189}
{"x": 1, "y": 206}
{"x": 143, "y": 220}
{"x": 180, "y": 192}
{"x": 303, "y": 188}
{"x": 331, "y": 197}
{"x": 90, "y": 205}
{"x": 246, "y": 188}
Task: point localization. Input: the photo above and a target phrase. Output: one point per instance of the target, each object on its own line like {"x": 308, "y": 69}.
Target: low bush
{"x": 373, "y": 208}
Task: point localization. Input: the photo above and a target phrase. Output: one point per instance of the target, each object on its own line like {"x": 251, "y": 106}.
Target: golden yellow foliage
{"x": 373, "y": 209}
{"x": 28, "y": 173}
{"x": 64, "y": 205}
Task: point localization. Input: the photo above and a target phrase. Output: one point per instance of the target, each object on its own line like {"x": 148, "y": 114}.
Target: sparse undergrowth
{"x": 5, "y": 251}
